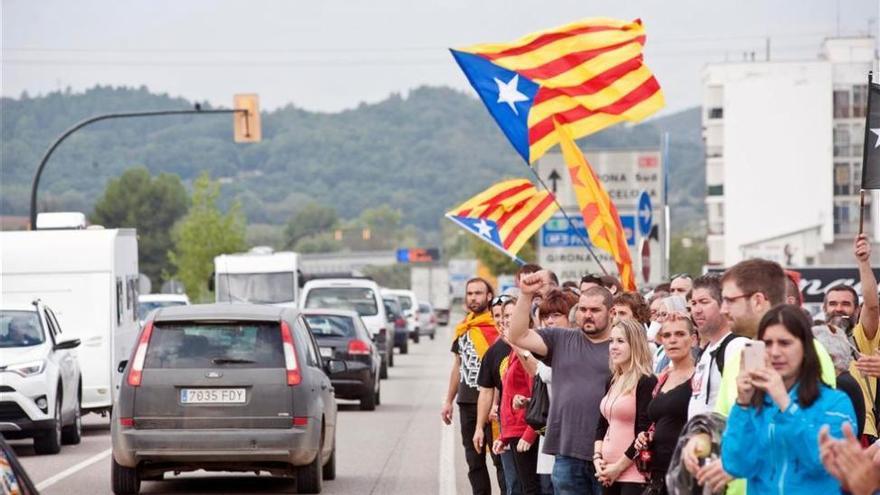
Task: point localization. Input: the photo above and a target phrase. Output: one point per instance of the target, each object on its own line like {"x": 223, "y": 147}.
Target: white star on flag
{"x": 508, "y": 92}
{"x": 876, "y": 133}
{"x": 485, "y": 229}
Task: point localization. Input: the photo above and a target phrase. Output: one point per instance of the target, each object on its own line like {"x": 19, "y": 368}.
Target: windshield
{"x": 144, "y": 308}
{"x": 257, "y": 288}
{"x": 20, "y": 329}
{"x": 405, "y": 302}
{"x": 331, "y": 325}
{"x": 249, "y": 344}
{"x": 360, "y": 299}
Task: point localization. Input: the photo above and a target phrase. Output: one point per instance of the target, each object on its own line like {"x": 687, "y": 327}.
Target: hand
{"x": 828, "y": 454}
{"x": 642, "y": 441}
{"x": 697, "y": 447}
{"x": 612, "y": 472}
{"x": 520, "y": 401}
{"x": 861, "y": 476}
{"x": 493, "y": 413}
{"x": 862, "y": 249}
{"x": 497, "y": 447}
{"x": 533, "y": 283}
{"x": 446, "y": 413}
{"x": 744, "y": 389}
{"x": 713, "y": 475}
{"x": 770, "y": 381}
{"x": 869, "y": 365}
{"x": 479, "y": 439}
{"x": 523, "y": 446}
{"x": 600, "y": 466}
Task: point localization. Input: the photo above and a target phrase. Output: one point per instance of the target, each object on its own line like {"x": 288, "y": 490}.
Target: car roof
{"x": 330, "y": 312}
{"x": 225, "y": 311}
{"x": 18, "y": 307}
{"x": 163, "y": 297}
{"x": 400, "y": 292}
{"x": 341, "y": 282}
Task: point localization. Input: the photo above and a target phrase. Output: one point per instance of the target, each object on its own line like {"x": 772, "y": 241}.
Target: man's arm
{"x": 870, "y": 314}
{"x": 484, "y": 404}
{"x": 520, "y": 333}
{"x": 452, "y": 390}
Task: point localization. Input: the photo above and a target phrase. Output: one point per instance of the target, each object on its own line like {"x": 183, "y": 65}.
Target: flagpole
{"x": 583, "y": 240}
{"x": 865, "y": 156}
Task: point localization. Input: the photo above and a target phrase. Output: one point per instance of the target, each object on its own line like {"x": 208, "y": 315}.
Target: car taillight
{"x": 358, "y": 347}
{"x": 127, "y": 422}
{"x": 293, "y": 375}
{"x": 136, "y": 373}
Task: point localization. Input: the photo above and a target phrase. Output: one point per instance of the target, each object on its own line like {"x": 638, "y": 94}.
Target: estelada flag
{"x": 600, "y": 214}
{"x": 871, "y": 157}
{"x": 506, "y": 215}
{"x": 587, "y": 75}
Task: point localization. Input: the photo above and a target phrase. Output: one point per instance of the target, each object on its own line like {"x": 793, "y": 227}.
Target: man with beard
{"x": 580, "y": 370}
{"x": 721, "y": 343}
{"x": 841, "y": 306}
{"x": 473, "y": 336}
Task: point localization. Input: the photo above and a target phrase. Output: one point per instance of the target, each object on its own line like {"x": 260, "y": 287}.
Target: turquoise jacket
{"x": 778, "y": 452}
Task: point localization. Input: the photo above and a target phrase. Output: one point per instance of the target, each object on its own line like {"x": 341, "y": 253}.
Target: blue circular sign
{"x": 645, "y": 214}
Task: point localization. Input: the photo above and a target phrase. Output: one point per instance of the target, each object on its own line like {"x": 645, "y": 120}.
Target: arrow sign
{"x": 553, "y": 178}
{"x": 645, "y": 213}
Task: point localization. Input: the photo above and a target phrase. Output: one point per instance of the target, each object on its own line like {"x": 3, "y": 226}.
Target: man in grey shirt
{"x": 580, "y": 371}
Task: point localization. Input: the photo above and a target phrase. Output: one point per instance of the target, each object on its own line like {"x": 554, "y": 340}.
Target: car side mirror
{"x": 122, "y": 365}
{"x": 67, "y": 344}
{"x": 334, "y": 366}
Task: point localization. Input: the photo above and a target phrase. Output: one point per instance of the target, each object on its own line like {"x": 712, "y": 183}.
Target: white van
{"x": 409, "y": 303}
{"x": 259, "y": 276}
{"x": 89, "y": 277}
{"x": 361, "y": 295}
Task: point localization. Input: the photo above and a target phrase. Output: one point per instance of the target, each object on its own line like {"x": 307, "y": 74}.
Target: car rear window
{"x": 331, "y": 325}
{"x": 216, "y": 345}
{"x": 405, "y": 302}
{"x": 424, "y": 308}
{"x": 360, "y": 299}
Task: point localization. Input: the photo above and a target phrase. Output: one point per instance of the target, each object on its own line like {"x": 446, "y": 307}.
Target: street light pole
{"x": 91, "y": 120}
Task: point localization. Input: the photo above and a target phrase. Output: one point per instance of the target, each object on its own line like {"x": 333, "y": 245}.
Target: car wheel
{"x": 125, "y": 480}
{"x": 368, "y": 399}
{"x": 309, "y": 479}
{"x": 378, "y": 392}
{"x": 329, "y": 470}
{"x": 49, "y": 442}
{"x": 72, "y": 433}
{"x": 391, "y": 357}
{"x": 432, "y": 334}
{"x": 416, "y": 336}
{"x": 404, "y": 347}
{"x": 383, "y": 369}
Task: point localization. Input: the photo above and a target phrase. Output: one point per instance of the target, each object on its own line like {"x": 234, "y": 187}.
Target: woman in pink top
{"x": 624, "y": 409}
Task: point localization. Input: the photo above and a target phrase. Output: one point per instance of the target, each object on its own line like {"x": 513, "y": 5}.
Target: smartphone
{"x": 753, "y": 355}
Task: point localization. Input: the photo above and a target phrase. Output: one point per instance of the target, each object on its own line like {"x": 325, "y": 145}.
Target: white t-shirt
{"x": 705, "y": 385}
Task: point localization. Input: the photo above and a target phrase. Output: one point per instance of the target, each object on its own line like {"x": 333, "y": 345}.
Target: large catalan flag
{"x": 587, "y": 75}
{"x": 600, "y": 214}
{"x": 506, "y": 215}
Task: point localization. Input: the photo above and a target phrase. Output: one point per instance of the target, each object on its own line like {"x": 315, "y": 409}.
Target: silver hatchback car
{"x": 225, "y": 387}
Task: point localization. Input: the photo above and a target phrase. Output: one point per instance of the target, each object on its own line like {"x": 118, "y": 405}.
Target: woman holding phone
{"x": 771, "y": 433}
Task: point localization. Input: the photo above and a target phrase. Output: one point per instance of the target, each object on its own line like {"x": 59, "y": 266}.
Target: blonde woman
{"x": 624, "y": 409}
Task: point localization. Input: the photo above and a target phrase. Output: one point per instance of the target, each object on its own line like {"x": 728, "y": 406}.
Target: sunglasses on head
{"x": 503, "y": 298}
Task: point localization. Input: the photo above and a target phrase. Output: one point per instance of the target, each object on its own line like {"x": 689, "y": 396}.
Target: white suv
{"x": 40, "y": 384}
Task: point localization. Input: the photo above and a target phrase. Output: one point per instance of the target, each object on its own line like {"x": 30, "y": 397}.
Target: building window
{"x": 860, "y": 100}
{"x": 716, "y": 190}
{"x": 841, "y": 104}
{"x": 846, "y": 217}
{"x": 841, "y": 140}
{"x": 716, "y": 113}
{"x": 842, "y": 181}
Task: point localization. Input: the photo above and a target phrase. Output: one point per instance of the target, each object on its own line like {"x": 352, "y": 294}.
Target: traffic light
{"x": 247, "y": 124}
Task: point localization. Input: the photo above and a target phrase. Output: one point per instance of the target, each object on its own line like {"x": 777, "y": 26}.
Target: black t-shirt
{"x": 668, "y": 411}
{"x": 848, "y": 385}
{"x": 490, "y": 369}
{"x": 468, "y": 371}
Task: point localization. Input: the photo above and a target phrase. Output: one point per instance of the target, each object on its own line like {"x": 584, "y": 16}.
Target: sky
{"x": 330, "y": 55}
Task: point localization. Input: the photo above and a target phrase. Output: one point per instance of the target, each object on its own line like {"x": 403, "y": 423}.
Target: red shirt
{"x": 513, "y": 421}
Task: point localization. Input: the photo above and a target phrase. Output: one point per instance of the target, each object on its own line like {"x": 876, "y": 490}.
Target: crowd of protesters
{"x": 721, "y": 383}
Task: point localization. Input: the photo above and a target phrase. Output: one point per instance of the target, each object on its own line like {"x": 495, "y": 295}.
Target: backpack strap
{"x": 718, "y": 353}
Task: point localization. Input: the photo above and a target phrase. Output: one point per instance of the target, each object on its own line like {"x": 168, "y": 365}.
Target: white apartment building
{"x": 784, "y": 146}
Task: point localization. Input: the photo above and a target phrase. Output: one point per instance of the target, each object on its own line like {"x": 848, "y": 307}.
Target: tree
{"x": 202, "y": 234}
{"x": 149, "y": 204}
{"x": 313, "y": 219}
{"x": 497, "y": 262}
{"x": 687, "y": 255}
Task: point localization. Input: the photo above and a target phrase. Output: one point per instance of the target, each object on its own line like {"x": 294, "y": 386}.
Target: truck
{"x": 89, "y": 277}
{"x": 431, "y": 284}
{"x": 259, "y": 276}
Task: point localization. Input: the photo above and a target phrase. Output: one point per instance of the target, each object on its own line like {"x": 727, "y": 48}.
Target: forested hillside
{"x": 420, "y": 154}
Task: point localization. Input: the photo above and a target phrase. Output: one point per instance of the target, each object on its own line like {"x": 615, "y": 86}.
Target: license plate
{"x": 326, "y": 352}
{"x": 212, "y": 396}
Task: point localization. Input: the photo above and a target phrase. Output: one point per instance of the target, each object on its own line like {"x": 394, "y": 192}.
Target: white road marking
{"x": 73, "y": 470}
{"x": 446, "y": 471}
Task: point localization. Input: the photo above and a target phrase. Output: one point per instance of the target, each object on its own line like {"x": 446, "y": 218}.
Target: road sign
{"x": 645, "y": 213}
{"x": 246, "y": 125}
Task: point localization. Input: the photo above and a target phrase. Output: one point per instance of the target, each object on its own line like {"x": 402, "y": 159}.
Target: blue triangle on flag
{"x": 511, "y": 112}
{"x": 480, "y": 227}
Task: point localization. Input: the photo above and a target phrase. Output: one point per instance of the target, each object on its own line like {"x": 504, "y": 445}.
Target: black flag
{"x": 871, "y": 156}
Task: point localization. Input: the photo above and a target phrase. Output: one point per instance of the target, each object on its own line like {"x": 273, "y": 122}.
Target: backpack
{"x": 718, "y": 353}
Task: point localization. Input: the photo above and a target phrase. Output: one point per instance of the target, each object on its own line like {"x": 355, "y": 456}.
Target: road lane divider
{"x": 73, "y": 470}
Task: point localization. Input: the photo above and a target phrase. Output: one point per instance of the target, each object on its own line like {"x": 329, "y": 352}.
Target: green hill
{"x": 421, "y": 154}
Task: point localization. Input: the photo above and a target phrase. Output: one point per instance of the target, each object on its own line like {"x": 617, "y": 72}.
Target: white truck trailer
{"x": 431, "y": 284}
{"x": 89, "y": 277}
{"x": 259, "y": 276}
